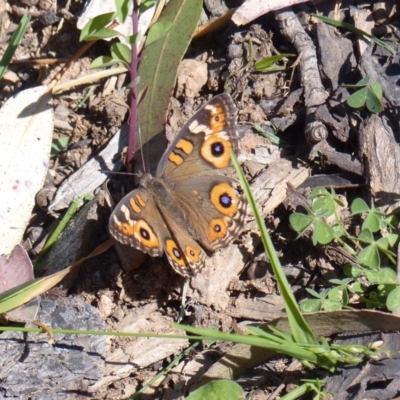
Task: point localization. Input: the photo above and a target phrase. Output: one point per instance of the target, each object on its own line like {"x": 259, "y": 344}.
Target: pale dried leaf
{"x": 26, "y": 128}
{"x": 252, "y": 9}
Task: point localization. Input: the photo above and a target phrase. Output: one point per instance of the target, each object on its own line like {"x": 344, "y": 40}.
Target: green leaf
{"x": 313, "y": 293}
{"x": 123, "y": 8}
{"x": 301, "y": 331}
{"x": 323, "y": 233}
{"x": 310, "y": 305}
{"x": 372, "y": 222}
{"x": 358, "y": 288}
{"x": 319, "y": 191}
{"x": 374, "y": 103}
{"x": 361, "y": 83}
{"x": 133, "y": 39}
{"x": 122, "y": 52}
{"x": 13, "y": 44}
{"x": 377, "y": 90}
{"x": 102, "y": 62}
{"x": 359, "y": 98}
{"x": 300, "y": 222}
{"x": 158, "y": 31}
{"x": 386, "y": 276}
{"x": 359, "y": 206}
{"x": 331, "y": 305}
{"x": 393, "y": 299}
{"x": 323, "y": 207}
{"x": 95, "y": 28}
{"x": 366, "y": 236}
{"x": 218, "y": 390}
{"x": 145, "y": 5}
{"x": 383, "y": 243}
{"x": 337, "y": 294}
{"x": 372, "y": 276}
{"x": 343, "y": 281}
{"x": 272, "y": 137}
{"x": 369, "y": 257}
{"x": 352, "y": 271}
{"x": 159, "y": 64}
{"x": 58, "y": 145}
{"x": 393, "y": 239}
{"x": 267, "y": 62}
{"x": 341, "y": 24}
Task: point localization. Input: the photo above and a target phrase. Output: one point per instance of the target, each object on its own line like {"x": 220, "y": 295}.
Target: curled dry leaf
{"x": 16, "y": 269}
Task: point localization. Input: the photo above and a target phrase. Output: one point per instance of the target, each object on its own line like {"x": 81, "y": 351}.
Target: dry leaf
{"x": 26, "y": 129}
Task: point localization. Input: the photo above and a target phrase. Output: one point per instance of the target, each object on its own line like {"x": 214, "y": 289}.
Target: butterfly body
{"x": 189, "y": 205}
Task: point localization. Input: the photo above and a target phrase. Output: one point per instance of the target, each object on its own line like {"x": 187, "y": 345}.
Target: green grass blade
{"x": 12, "y": 46}
{"x": 341, "y": 24}
{"x": 300, "y": 330}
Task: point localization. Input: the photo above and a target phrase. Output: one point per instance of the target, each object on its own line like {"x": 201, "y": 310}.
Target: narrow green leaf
{"x": 300, "y": 330}
{"x": 159, "y": 64}
{"x": 158, "y": 31}
{"x": 102, "y": 62}
{"x": 267, "y": 62}
{"x": 13, "y": 44}
{"x": 290, "y": 349}
{"x": 341, "y": 24}
{"x": 96, "y": 28}
{"x": 101, "y": 34}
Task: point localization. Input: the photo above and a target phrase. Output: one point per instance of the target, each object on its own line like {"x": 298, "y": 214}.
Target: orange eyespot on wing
{"x": 218, "y": 117}
{"x": 225, "y": 199}
{"x": 139, "y": 230}
{"x": 218, "y": 228}
{"x": 174, "y": 253}
{"x": 193, "y": 253}
{"x": 216, "y": 150}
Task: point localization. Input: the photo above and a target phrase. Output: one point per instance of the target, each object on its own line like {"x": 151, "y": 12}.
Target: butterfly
{"x": 188, "y": 206}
